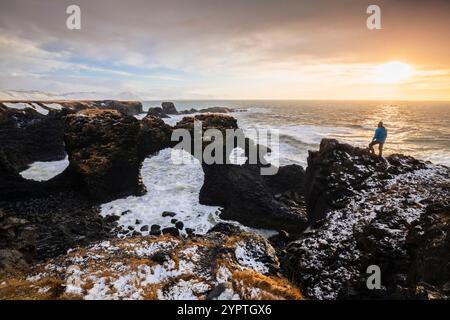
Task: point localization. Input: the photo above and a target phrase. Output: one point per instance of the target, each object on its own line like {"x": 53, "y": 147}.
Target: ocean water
{"x": 420, "y": 129}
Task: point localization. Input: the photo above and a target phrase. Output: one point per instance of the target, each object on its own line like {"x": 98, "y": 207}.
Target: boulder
{"x": 104, "y": 153}
{"x": 157, "y": 112}
{"x": 169, "y": 108}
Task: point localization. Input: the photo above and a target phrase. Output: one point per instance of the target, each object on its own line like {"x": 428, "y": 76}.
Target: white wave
{"x": 171, "y": 187}
{"x": 42, "y": 171}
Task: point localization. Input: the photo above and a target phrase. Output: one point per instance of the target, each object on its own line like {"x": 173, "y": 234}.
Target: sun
{"x": 393, "y": 72}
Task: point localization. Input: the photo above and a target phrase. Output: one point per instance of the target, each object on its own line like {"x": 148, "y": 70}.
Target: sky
{"x": 228, "y": 49}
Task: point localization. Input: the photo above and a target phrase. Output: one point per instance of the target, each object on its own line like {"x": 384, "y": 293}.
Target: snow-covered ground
{"x": 165, "y": 268}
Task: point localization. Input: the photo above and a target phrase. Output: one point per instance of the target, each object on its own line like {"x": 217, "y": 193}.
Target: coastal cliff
{"x": 345, "y": 211}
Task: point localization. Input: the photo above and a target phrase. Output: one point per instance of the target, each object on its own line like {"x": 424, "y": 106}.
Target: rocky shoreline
{"x": 345, "y": 211}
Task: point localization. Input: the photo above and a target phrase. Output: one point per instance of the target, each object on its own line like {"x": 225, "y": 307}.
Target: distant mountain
{"x": 27, "y": 95}
{"x": 41, "y": 95}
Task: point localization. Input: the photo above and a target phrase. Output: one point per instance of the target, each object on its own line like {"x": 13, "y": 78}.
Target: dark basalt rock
{"x": 338, "y": 170}
{"x": 226, "y": 228}
{"x": 129, "y": 108}
{"x": 179, "y": 225}
{"x": 168, "y": 214}
{"x": 154, "y": 136}
{"x": 17, "y": 242}
{"x": 245, "y": 194}
{"x": 169, "y": 108}
{"x": 27, "y": 136}
{"x": 248, "y": 197}
{"x": 171, "y": 231}
{"x": 362, "y": 208}
{"x": 103, "y": 152}
{"x": 428, "y": 245}
{"x": 155, "y": 230}
{"x": 208, "y": 110}
{"x": 157, "y": 112}
{"x": 57, "y": 222}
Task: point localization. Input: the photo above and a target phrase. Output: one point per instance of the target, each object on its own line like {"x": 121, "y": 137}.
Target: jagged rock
{"x": 337, "y": 171}
{"x": 60, "y": 221}
{"x": 27, "y": 136}
{"x": 157, "y": 112}
{"x": 362, "y": 207}
{"x": 103, "y": 152}
{"x": 130, "y": 108}
{"x": 247, "y": 197}
{"x": 17, "y": 242}
{"x": 169, "y": 108}
{"x": 225, "y": 228}
{"x": 245, "y": 194}
{"x": 171, "y": 230}
{"x": 244, "y": 266}
{"x": 208, "y": 110}
{"x": 428, "y": 245}
{"x": 154, "y": 136}
{"x": 33, "y": 131}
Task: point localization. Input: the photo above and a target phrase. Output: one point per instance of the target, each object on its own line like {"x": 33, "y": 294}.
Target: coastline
{"x": 338, "y": 218}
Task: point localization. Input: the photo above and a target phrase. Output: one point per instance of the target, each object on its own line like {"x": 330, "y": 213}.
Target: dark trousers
{"x": 380, "y": 147}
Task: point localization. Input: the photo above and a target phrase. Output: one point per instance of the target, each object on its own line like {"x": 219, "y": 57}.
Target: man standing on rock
{"x": 379, "y": 138}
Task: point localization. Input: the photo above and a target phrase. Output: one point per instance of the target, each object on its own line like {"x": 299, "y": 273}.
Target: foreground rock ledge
{"x": 215, "y": 266}
{"x": 391, "y": 212}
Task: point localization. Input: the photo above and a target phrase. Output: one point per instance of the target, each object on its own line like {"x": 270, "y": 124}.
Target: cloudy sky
{"x": 228, "y": 49}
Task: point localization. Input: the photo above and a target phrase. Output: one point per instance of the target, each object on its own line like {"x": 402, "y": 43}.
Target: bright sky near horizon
{"x": 234, "y": 49}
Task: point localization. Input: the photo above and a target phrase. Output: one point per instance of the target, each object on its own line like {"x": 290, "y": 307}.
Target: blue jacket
{"x": 380, "y": 134}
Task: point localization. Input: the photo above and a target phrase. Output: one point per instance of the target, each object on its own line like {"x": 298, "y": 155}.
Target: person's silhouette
{"x": 379, "y": 138}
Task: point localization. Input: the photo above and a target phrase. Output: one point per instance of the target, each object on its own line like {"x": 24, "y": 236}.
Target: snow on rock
{"x": 39, "y": 109}
{"x": 54, "y": 106}
{"x": 17, "y": 106}
{"x": 372, "y": 204}
{"x": 214, "y": 266}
